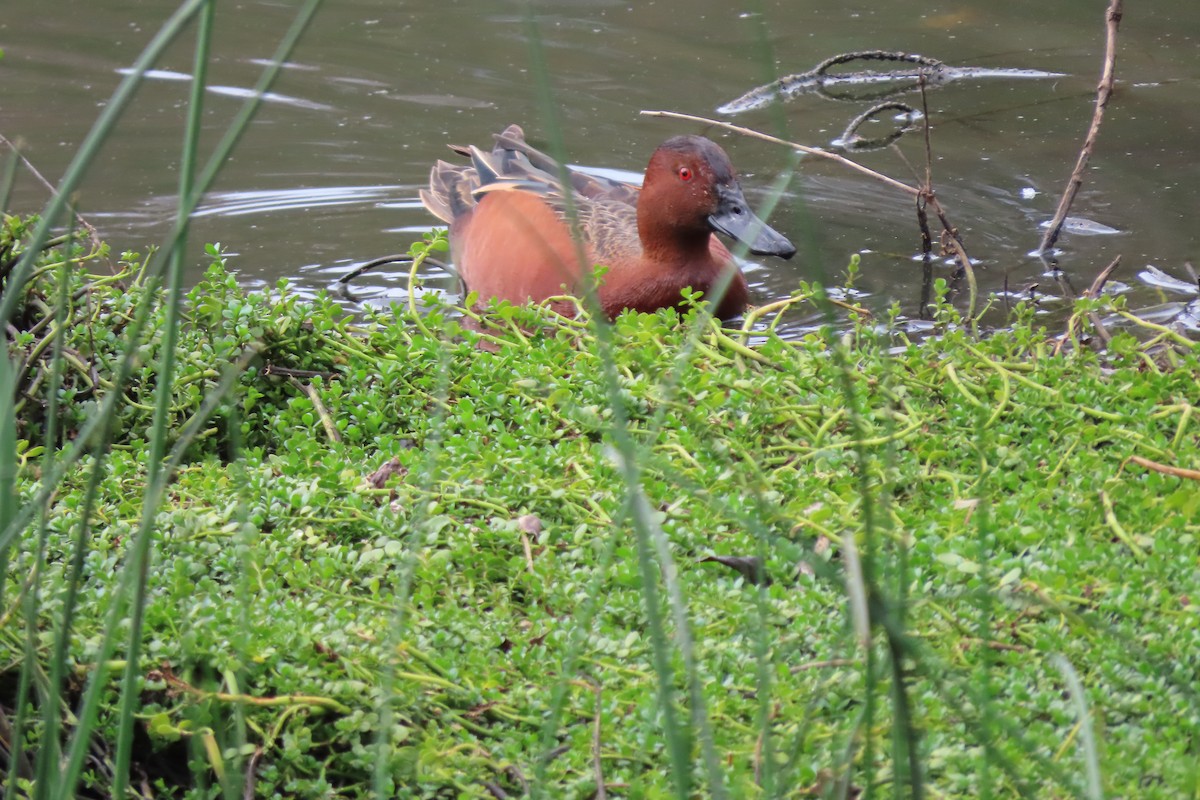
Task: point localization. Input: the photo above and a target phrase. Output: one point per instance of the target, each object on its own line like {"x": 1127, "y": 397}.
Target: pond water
{"x": 327, "y": 176}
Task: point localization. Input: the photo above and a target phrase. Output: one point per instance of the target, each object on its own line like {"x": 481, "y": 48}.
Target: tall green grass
{"x": 58, "y": 775}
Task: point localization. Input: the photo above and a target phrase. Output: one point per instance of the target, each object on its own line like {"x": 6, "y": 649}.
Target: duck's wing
{"x": 512, "y": 143}
{"x": 605, "y": 209}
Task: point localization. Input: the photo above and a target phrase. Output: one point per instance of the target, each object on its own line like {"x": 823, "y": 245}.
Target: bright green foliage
{"x": 1009, "y": 526}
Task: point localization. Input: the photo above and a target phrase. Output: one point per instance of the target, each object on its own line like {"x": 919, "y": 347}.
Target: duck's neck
{"x": 666, "y": 242}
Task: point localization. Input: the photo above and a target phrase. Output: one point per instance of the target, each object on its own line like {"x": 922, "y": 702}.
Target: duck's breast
{"x": 513, "y": 246}
{"x": 647, "y": 285}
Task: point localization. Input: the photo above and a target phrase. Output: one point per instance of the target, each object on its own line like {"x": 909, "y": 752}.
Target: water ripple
{"x": 266, "y": 201}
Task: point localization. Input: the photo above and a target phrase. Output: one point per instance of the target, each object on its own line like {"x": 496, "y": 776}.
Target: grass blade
{"x": 18, "y": 764}
{"x": 1087, "y": 737}
{"x": 381, "y": 779}
{"x": 159, "y": 431}
{"x": 49, "y": 752}
{"x": 8, "y": 453}
{"x": 10, "y": 174}
{"x": 625, "y": 449}
{"x": 135, "y": 572}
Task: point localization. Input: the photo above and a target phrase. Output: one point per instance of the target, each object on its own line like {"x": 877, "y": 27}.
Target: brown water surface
{"x": 327, "y": 177}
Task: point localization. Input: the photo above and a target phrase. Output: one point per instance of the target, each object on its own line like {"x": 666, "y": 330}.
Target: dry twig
{"x": 93, "y": 235}
{"x": 1093, "y": 291}
{"x": 826, "y": 664}
{"x": 922, "y": 195}
{"x": 1103, "y": 93}
{"x": 1166, "y": 469}
{"x": 314, "y": 397}
{"x": 251, "y": 770}
{"x": 812, "y": 151}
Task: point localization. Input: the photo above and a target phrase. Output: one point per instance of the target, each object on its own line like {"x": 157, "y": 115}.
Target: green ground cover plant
{"x": 399, "y": 555}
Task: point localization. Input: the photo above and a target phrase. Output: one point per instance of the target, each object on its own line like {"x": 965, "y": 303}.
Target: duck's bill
{"x": 734, "y": 218}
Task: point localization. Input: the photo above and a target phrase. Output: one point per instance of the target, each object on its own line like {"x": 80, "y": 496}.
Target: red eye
{"x": 685, "y": 174}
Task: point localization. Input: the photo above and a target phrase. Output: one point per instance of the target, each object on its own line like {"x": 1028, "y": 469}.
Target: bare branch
{"x": 812, "y": 151}
{"x": 1103, "y": 93}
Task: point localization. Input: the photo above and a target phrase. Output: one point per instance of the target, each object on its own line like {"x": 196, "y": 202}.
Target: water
{"x": 328, "y": 174}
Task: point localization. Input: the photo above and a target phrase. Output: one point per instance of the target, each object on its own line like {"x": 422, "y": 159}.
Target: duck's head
{"x": 691, "y": 189}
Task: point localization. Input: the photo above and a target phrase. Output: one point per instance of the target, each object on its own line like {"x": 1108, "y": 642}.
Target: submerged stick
{"x": 1103, "y": 92}
{"x": 950, "y": 237}
{"x": 1094, "y": 291}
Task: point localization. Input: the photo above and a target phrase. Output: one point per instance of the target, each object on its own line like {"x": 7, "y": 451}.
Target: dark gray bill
{"x": 734, "y": 218}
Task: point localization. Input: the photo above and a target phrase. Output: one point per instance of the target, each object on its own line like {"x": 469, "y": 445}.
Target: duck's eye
{"x": 685, "y": 174}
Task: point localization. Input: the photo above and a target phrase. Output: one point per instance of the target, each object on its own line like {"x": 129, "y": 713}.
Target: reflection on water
{"x": 327, "y": 176}
{"x": 231, "y": 91}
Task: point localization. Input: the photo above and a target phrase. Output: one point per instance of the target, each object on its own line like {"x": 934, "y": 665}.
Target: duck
{"x": 517, "y": 233}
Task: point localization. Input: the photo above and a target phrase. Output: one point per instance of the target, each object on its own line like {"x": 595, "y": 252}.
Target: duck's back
{"x": 511, "y": 230}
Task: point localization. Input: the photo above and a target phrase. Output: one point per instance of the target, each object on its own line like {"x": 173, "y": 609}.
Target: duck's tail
{"x": 454, "y": 189}
{"x": 449, "y": 193}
